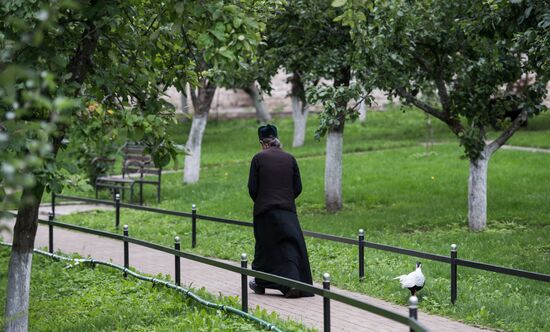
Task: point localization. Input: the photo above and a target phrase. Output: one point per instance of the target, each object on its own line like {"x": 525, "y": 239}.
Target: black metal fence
{"x": 360, "y": 242}
{"x": 411, "y": 320}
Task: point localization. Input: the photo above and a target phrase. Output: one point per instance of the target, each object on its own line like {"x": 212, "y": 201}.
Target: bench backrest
{"x": 136, "y": 162}
{"x": 131, "y": 152}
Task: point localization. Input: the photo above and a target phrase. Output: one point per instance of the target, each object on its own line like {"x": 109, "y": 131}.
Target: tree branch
{"x": 452, "y": 122}
{"x": 153, "y": 22}
{"x": 130, "y": 18}
{"x": 401, "y": 92}
{"x": 189, "y": 49}
{"x": 79, "y": 66}
{"x": 439, "y": 82}
{"x": 81, "y": 62}
{"x": 501, "y": 140}
{"x": 120, "y": 48}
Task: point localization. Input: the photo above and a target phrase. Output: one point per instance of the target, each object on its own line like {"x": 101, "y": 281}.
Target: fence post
{"x": 413, "y": 309}
{"x": 193, "y": 226}
{"x": 177, "y": 260}
{"x": 126, "y": 254}
{"x": 53, "y": 203}
{"x": 361, "y": 243}
{"x": 326, "y": 303}
{"x": 50, "y": 230}
{"x": 141, "y": 186}
{"x": 117, "y": 210}
{"x": 453, "y": 273}
{"x": 244, "y": 282}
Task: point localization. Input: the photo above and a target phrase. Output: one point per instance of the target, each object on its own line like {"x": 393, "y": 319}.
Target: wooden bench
{"x": 135, "y": 167}
{"x": 116, "y": 184}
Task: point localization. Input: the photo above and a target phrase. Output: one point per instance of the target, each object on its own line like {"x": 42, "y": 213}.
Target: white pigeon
{"x": 414, "y": 281}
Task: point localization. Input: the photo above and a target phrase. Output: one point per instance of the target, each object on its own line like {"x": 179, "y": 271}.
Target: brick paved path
{"x": 218, "y": 281}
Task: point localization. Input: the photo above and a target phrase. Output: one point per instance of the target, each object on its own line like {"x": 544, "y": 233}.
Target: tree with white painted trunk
{"x": 84, "y": 68}
{"x": 92, "y": 73}
{"x": 202, "y": 100}
{"x": 471, "y": 54}
{"x": 307, "y": 42}
{"x": 223, "y": 43}
{"x": 334, "y": 115}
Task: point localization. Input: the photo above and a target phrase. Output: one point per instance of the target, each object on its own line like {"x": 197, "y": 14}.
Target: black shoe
{"x": 293, "y": 293}
{"x": 257, "y": 289}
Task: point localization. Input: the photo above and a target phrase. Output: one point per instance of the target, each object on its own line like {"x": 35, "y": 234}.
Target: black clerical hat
{"x": 267, "y": 131}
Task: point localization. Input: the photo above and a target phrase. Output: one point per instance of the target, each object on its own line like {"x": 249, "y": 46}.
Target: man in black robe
{"x": 273, "y": 184}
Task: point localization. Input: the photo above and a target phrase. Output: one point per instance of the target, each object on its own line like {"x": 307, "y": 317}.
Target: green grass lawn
{"x": 400, "y": 194}
{"x": 83, "y": 299}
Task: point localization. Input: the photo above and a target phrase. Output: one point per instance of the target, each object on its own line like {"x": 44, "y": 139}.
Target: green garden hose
{"x": 183, "y": 290}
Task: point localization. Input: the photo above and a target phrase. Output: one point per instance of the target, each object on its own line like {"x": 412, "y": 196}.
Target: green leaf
{"x": 226, "y": 53}
{"x": 338, "y": 3}
{"x": 137, "y": 134}
{"x": 237, "y": 22}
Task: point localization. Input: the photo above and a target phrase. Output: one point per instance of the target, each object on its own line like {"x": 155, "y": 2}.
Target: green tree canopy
{"x": 88, "y": 74}
{"x": 483, "y": 60}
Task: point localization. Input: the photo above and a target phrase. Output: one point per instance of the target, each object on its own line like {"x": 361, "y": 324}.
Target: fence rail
{"x": 177, "y": 287}
{"x": 504, "y": 270}
{"x": 411, "y": 321}
{"x": 360, "y": 242}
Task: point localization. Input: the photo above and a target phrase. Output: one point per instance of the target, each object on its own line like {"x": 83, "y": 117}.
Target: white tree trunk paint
{"x": 299, "y": 114}
{"x": 362, "y": 111}
{"x": 261, "y": 113}
{"x": 333, "y": 171}
{"x": 184, "y": 104}
{"x": 477, "y": 192}
{"x": 192, "y": 167}
{"x": 17, "y": 297}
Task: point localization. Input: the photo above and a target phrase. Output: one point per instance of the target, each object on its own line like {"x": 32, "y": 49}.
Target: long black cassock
{"x": 274, "y": 182}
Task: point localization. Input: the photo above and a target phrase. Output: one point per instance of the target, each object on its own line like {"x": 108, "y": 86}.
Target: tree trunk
{"x": 299, "y": 114}
{"x": 299, "y": 109}
{"x": 191, "y": 170}
{"x": 333, "y": 170}
{"x": 335, "y": 143}
{"x": 262, "y": 115}
{"x": 477, "y": 192}
{"x": 362, "y": 112}
{"x": 201, "y": 105}
{"x": 477, "y": 181}
{"x": 16, "y": 313}
{"x": 184, "y": 106}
